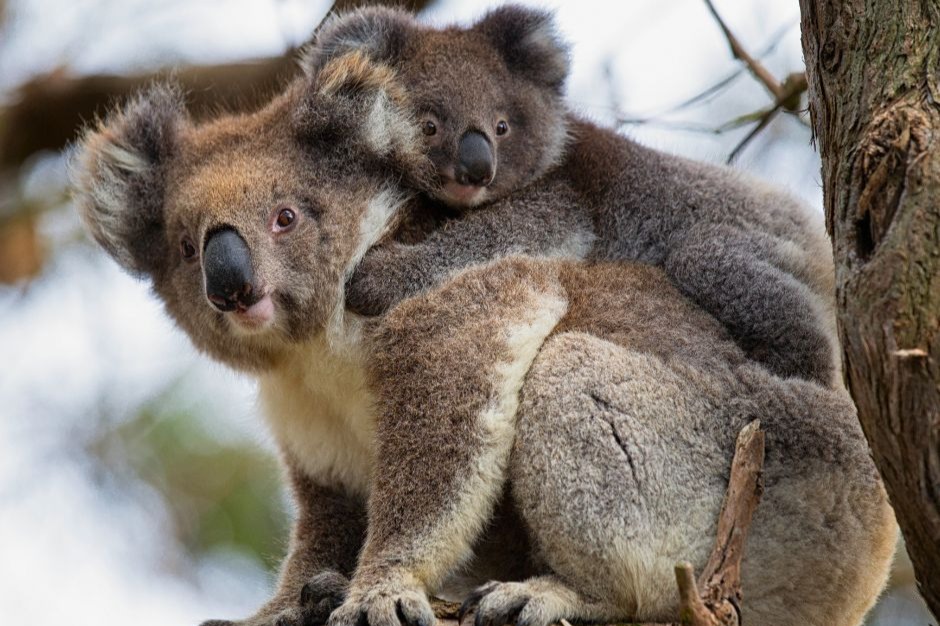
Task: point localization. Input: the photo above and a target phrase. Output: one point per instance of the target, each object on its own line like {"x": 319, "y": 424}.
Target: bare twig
{"x": 701, "y": 97}
{"x": 757, "y": 69}
{"x": 765, "y": 119}
{"x": 720, "y": 582}
{"x": 786, "y": 94}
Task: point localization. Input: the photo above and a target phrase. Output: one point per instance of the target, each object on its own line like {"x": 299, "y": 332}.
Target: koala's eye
{"x": 188, "y": 249}
{"x": 502, "y": 127}
{"x": 429, "y": 128}
{"x": 285, "y": 219}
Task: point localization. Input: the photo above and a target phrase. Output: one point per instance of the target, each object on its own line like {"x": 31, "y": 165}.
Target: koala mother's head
{"x": 489, "y": 98}
{"x": 248, "y": 225}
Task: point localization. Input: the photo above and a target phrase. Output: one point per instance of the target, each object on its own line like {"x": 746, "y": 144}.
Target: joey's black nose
{"x": 476, "y": 162}
{"x": 227, "y": 267}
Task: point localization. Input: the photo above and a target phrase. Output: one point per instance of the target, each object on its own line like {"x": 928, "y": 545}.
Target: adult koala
{"x": 564, "y": 429}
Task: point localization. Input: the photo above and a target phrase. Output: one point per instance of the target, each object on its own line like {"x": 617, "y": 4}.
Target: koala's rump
{"x": 624, "y": 439}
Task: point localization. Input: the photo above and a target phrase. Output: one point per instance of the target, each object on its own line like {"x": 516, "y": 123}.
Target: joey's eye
{"x": 429, "y": 128}
{"x": 502, "y": 127}
{"x": 285, "y": 219}
{"x": 188, "y": 249}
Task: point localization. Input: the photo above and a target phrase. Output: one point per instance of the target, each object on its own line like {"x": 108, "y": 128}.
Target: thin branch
{"x": 757, "y": 69}
{"x": 720, "y": 85}
{"x": 699, "y": 98}
{"x": 720, "y": 582}
{"x": 765, "y": 119}
{"x": 786, "y": 94}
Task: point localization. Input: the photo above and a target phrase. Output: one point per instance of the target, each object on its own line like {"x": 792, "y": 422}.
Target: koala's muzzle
{"x": 228, "y": 273}
{"x": 476, "y": 163}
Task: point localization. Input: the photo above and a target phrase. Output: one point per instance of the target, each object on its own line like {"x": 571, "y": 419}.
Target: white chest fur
{"x": 317, "y": 402}
{"x": 321, "y": 412}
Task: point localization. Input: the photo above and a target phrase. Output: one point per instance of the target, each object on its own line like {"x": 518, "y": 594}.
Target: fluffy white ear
{"x": 529, "y": 43}
{"x": 118, "y": 172}
{"x": 378, "y": 32}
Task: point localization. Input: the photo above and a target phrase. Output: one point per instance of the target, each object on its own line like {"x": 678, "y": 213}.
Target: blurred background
{"x": 136, "y": 481}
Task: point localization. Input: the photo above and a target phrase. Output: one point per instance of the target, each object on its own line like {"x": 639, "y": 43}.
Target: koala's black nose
{"x": 476, "y": 164}
{"x": 227, "y": 267}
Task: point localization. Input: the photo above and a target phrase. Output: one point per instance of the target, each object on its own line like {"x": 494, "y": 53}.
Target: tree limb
{"x": 874, "y": 77}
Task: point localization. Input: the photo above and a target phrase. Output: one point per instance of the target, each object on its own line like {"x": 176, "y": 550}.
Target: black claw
{"x": 319, "y": 613}
{"x": 423, "y": 620}
{"x": 400, "y": 613}
{"x": 468, "y": 605}
{"x": 472, "y": 601}
{"x": 363, "y": 619}
{"x": 306, "y": 594}
{"x": 507, "y": 615}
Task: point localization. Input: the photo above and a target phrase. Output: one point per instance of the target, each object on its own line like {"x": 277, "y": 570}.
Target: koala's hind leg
{"x": 778, "y": 319}
{"x": 621, "y": 462}
{"x": 614, "y": 475}
{"x": 446, "y": 367}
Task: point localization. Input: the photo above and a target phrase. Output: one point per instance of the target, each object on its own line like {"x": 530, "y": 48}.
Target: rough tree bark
{"x": 874, "y": 93}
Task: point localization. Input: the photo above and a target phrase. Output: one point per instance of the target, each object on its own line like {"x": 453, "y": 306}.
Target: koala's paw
{"x": 385, "y": 604}
{"x": 321, "y": 595}
{"x": 382, "y": 279}
{"x": 365, "y": 293}
{"x": 522, "y": 604}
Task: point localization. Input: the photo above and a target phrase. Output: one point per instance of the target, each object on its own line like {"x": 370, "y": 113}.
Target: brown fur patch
{"x": 355, "y": 70}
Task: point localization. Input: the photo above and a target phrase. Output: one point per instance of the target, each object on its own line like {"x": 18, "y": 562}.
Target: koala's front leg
{"x": 447, "y": 369}
{"x": 325, "y": 540}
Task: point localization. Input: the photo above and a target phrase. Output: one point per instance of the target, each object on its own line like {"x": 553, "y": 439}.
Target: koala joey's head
{"x": 248, "y": 225}
{"x": 488, "y": 98}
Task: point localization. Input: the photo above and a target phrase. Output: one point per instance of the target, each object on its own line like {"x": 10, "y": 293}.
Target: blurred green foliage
{"x": 220, "y": 495}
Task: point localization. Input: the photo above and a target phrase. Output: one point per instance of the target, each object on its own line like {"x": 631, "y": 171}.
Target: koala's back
{"x": 749, "y": 254}
{"x": 648, "y": 200}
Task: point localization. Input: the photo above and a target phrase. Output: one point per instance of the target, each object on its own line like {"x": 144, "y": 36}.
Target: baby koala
{"x": 545, "y": 182}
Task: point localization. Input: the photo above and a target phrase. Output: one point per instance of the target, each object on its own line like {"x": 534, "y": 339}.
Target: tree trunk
{"x": 874, "y": 93}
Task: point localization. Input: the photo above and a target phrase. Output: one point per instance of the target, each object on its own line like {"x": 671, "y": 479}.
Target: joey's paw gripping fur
{"x": 371, "y": 291}
{"x": 385, "y": 604}
{"x": 519, "y": 603}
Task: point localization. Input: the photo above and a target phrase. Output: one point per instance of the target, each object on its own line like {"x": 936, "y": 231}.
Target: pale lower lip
{"x": 258, "y": 315}
{"x": 463, "y": 194}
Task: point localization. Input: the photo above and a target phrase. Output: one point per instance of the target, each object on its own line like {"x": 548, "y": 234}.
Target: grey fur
{"x": 748, "y": 254}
